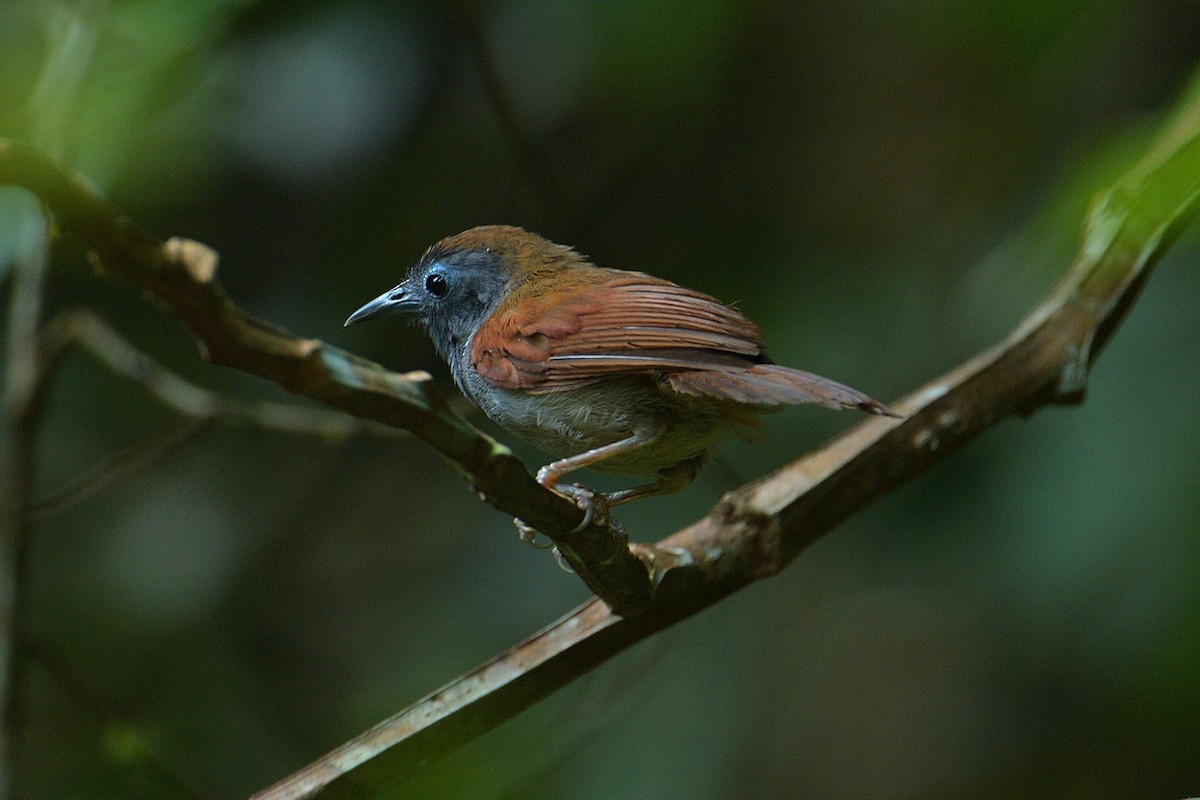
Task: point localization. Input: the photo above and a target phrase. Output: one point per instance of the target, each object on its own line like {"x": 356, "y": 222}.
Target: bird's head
{"x": 461, "y": 281}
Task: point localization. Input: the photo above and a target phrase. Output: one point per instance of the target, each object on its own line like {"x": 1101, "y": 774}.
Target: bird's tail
{"x": 772, "y": 385}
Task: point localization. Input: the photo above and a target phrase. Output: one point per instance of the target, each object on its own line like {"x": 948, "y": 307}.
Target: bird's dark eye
{"x": 436, "y": 284}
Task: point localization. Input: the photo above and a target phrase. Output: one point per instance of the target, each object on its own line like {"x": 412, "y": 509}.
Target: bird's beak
{"x": 395, "y": 301}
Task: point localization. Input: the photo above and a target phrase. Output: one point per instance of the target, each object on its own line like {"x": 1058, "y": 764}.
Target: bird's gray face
{"x": 450, "y": 294}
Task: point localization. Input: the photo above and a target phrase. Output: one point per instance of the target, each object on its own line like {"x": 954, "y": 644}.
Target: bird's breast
{"x": 569, "y": 421}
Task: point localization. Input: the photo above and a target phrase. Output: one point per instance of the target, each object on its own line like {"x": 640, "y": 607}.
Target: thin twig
{"x": 51, "y": 102}
{"x": 544, "y": 183}
{"x": 99, "y": 339}
{"x": 112, "y": 469}
{"x": 21, "y": 404}
{"x": 198, "y": 405}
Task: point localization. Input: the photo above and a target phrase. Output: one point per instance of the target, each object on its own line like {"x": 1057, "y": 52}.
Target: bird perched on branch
{"x": 603, "y": 368}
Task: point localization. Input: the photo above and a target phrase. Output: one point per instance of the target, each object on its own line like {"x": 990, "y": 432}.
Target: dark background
{"x": 884, "y": 187}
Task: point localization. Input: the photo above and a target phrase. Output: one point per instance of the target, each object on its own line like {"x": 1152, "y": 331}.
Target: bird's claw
{"x": 561, "y": 560}
{"x": 593, "y": 504}
{"x": 587, "y": 500}
{"x": 529, "y": 535}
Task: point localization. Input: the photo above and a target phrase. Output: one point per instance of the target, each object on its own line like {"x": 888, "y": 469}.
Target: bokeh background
{"x": 885, "y": 187}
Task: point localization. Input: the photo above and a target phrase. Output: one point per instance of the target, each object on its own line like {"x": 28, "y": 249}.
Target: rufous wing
{"x": 623, "y": 323}
{"x": 627, "y": 323}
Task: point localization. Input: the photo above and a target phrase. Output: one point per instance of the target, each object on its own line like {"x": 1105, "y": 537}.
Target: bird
{"x": 609, "y": 369}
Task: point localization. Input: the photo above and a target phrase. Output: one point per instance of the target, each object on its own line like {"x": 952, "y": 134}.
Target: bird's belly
{"x": 571, "y": 421}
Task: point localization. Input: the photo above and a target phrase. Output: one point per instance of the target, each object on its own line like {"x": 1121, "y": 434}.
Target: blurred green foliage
{"x": 884, "y": 187}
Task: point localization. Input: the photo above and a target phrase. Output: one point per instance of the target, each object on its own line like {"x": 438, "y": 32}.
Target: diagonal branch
{"x": 755, "y": 531}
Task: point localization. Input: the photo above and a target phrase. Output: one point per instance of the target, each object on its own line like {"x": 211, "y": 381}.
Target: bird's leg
{"x": 671, "y": 479}
{"x": 550, "y": 475}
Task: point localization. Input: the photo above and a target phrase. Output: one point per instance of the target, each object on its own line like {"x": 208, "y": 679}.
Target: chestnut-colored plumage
{"x": 619, "y": 371}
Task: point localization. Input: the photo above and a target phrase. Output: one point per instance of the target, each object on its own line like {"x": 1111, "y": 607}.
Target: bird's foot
{"x": 593, "y": 504}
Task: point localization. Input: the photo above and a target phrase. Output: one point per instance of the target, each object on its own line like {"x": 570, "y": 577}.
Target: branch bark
{"x": 754, "y": 532}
